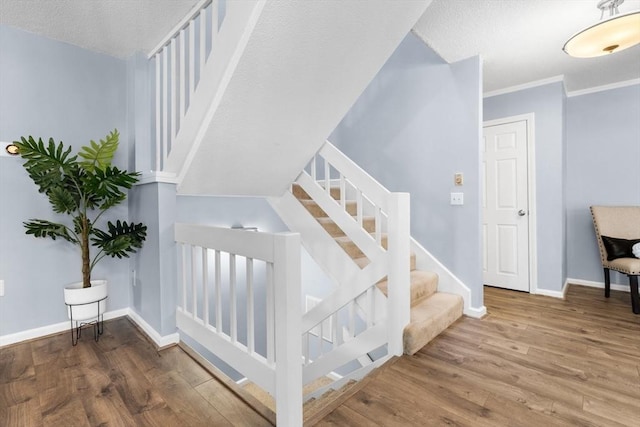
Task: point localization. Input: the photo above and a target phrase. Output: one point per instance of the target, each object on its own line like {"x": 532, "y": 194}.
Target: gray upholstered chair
{"x": 621, "y": 222}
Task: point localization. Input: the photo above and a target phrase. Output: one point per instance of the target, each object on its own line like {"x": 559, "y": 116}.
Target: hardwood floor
{"x": 533, "y": 361}
{"x": 122, "y": 380}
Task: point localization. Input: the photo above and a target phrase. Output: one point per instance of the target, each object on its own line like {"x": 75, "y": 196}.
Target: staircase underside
{"x": 305, "y": 64}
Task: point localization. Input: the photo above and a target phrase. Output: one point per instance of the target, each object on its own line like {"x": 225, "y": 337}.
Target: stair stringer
{"x": 229, "y": 46}
{"x": 447, "y": 281}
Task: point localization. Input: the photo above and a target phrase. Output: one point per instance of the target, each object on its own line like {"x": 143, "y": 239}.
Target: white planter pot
{"x": 86, "y": 303}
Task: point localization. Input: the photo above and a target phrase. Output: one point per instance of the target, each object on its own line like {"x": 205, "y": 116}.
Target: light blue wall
{"x": 603, "y": 168}
{"x": 547, "y": 104}
{"x": 415, "y": 126}
{"x": 51, "y": 89}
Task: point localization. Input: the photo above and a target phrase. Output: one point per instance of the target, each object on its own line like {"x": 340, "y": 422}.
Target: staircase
{"x": 252, "y": 87}
{"x": 431, "y": 311}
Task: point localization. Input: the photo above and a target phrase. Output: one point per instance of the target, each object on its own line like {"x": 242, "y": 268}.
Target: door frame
{"x": 529, "y": 119}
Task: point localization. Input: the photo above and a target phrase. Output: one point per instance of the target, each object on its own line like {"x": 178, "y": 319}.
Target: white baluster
{"x": 270, "y": 316}
{"x": 203, "y": 42}
{"x": 334, "y": 330}
{"x": 165, "y": 106}
{"x": 232, "y": 298}
{"x": 314, "y": 174}
{"x": 343, "y": 192}
{"x": 214, "y": 23}
{"x": 183, "y": 78}
{"x": 158, "y": 166}
{"x": 371, "y": 308}
{"x": 218, "y": 280}
{"x": 184, "y": 277}
{"x": 174, "y": 93}
{"x": 352, "y": 319}
{"x": 194, "y": 290}
{"x": 378, "y": 225}
{"x": 327, "y": 177}
{"x": 305, "y": 348}
{"x": 205, "y": 286}
{"x": 321, "y": 338}
{"x": 359, "y": 207}
{"x": 250, "y": 308}
{"x": 192, "y": 60}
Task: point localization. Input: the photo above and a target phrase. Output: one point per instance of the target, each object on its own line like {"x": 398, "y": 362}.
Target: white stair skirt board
{"x": 447, "y": 281}
{"x": 592, "y": 284}
{"x": 56, "y": 328}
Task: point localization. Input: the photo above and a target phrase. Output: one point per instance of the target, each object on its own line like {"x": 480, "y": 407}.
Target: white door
{"x": 505, "y": 206}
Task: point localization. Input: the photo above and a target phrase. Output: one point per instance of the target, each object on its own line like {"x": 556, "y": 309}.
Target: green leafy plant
{"x": 83, "y": 186}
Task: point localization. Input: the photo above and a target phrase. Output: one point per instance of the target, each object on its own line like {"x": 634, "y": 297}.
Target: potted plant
{"x": 83, "y": 187}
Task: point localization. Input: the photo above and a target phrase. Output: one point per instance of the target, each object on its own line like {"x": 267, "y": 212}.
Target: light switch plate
{"x": 1, "y": 288}
{"x": 457, "y": 199}
{"x": 458, "y": 179}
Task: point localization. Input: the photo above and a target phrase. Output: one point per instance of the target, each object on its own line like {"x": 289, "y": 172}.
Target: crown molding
{"x": 602, "y": 88}
{"x": 524, "y": 86}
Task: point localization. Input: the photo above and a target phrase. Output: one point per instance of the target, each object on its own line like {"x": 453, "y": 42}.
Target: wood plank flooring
{"x": 533, "y": 361}
{"x": 122, "y": 380}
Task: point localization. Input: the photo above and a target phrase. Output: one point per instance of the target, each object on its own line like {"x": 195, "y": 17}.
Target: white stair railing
{"x": 371, "y": 320}
{"x": 238, "y": 287}
{"x": 179, "y": 61}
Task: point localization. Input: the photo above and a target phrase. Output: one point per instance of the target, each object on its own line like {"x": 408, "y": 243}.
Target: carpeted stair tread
{"x": 317, "y": 212}
{"x": 368, "y": 223}
{"x": 352, "y": 249}
{"x": 362, "y": 262}
{"x": 299, "y": 193}
{"x": 423, "y": 285}
{"x": 429, "y": 318}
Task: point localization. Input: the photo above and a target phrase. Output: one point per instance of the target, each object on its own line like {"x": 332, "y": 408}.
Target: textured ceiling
{"x": 115, "y": 27}
{"x": 521, "y": 40}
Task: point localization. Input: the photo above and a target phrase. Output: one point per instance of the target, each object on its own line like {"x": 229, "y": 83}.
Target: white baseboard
{"x": 43, "y": 331}
{"x": 56, "y": 328}
{"x": 550, "y": 293}
{"x": 159, "y": 340}
{"x": 476, "y": 313}
{"x": 592, "y": 284}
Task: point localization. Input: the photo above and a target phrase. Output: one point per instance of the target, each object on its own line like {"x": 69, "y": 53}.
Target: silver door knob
{"x": 521, "y": 212}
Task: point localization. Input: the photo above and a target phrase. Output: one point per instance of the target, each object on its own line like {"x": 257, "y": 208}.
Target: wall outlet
{"x": 458, "y": 179}
{"x": 1, "y": 288}
{"x": 457, "y": 199}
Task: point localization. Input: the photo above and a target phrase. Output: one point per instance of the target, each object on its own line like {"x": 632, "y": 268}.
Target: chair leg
{"x": 607, "y": 283}
{"x": 635, "y": 298}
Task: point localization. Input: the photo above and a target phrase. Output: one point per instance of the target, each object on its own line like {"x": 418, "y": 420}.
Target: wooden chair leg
{"x": 607, "y": 283}
{"x": 635, "y": 298}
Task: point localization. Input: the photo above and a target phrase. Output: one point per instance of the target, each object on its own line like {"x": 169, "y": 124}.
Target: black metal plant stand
{"x": 98, "y": 324}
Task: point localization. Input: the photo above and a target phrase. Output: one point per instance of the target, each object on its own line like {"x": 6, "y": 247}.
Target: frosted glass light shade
{"x": 611, "y": 35}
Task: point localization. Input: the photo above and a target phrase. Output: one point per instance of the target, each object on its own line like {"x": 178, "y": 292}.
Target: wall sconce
{"x": 12, "y": 149}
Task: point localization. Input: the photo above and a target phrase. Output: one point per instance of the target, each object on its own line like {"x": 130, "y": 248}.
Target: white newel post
{"x": 288, "y": 340}
{"x": 399, "y": 296}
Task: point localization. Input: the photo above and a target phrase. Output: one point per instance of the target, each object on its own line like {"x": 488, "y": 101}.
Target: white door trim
{"x": 531, "y": 190}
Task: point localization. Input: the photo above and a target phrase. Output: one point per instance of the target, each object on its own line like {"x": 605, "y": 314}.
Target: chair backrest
{"x": 615, "y": 221}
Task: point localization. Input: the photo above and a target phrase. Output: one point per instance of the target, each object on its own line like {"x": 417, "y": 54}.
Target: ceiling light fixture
{"x": 613, "y": 34}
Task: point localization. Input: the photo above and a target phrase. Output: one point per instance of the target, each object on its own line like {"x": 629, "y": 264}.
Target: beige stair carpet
{"x": 431, "y": 311}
